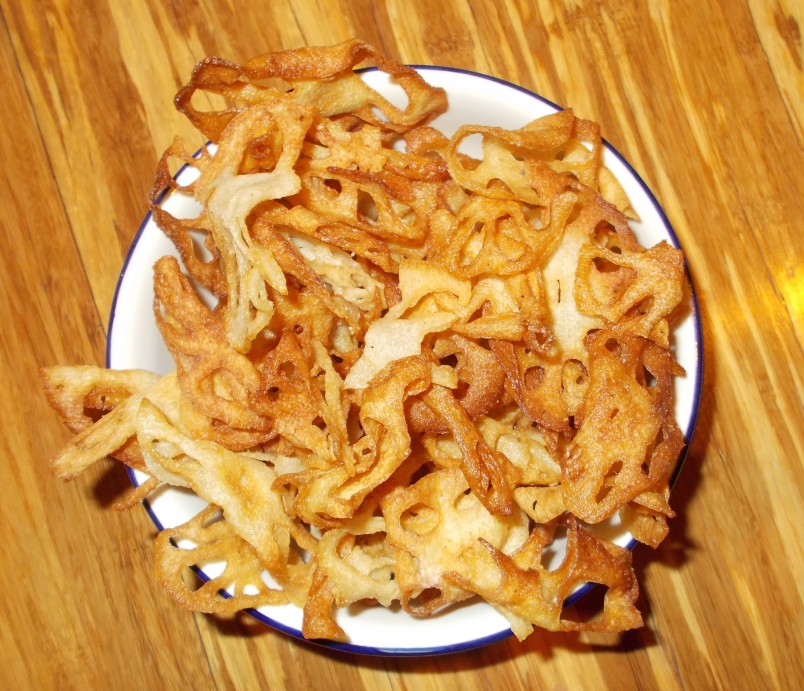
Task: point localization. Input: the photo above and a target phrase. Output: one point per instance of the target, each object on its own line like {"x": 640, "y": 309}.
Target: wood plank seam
{"x": 204, "y": 647}
{"x": 790, "y": 115}
{"x": 482, "y": 47}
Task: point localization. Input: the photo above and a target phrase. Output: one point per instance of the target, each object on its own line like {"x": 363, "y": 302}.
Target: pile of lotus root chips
{"x": 422, "y": 367}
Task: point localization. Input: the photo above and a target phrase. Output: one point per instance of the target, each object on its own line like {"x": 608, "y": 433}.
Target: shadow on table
{"x": 542, "y": 643}
{"x": 674, "y": 549}
{"x": 112, "y": 486}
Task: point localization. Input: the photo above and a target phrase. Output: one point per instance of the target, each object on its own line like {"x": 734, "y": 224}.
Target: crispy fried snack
{"x": 420, "y": 365}
{"x": 323, "y": 77}
{"x": 214, "y": 540}
{"x": 529, "y": 595}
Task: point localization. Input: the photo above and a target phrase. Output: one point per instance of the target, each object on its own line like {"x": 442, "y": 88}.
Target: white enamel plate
{"x": 135, "y": 342}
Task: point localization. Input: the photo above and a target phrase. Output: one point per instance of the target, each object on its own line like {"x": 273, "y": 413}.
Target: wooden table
{"x": 705, "y": 98}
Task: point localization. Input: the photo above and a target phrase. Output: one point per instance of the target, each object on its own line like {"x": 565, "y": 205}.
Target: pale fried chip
{"x": 612, "y": 191}
{"x": 542, "y": 504}
{"x": 357, "y": 571}
{"x": 525, "y": 445}
{"x": 436, "y": 521}
{"x": 229, "y": 199}
{"x": 393, "y": 337}
{"x": 112, "y": 431}
{"x": 221, "y": 477}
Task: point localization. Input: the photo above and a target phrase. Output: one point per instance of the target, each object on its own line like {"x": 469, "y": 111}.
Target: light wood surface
{"x": 705, "y": 98}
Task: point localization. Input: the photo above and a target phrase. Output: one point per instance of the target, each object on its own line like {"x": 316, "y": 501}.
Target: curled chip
{"x": 420, "y": 365}
{"x": 320, "y": 76}
{"x": 529, "y": 595}
{"x": 211, "y": 373}
{"x": 477, "y": 373}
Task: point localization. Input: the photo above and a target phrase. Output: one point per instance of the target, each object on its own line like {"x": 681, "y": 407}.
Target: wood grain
{"x": 705, "y": 98}
{"x": 63, "y": 554}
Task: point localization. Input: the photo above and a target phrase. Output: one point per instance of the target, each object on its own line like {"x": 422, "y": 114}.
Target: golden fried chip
{"x": 504, "y": 156}
{"x": 489, "y": 473}
{"x": 292, "y": 399}
{"x": 635, "y": 290}
{"x": 216, "y": 379}
{"x": 68, "y": 388}
{"x": 214, "y": 541}
{"x": 306, "y": 261}
{"x": 179, "y": 230}
{"x": 495, "y": 237}
{"x": 523, "y": 591}
{"x": 320, "y": 76}
{"x": 475, "y": 368}
{"x": 318, "y": 621}
{"x": 324, "y": 77}
{"x": 535, "y": 381}
{"x": 136, "y": 494}
{"x": 385, "y": 444}
{"x": 618, "y": 452}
